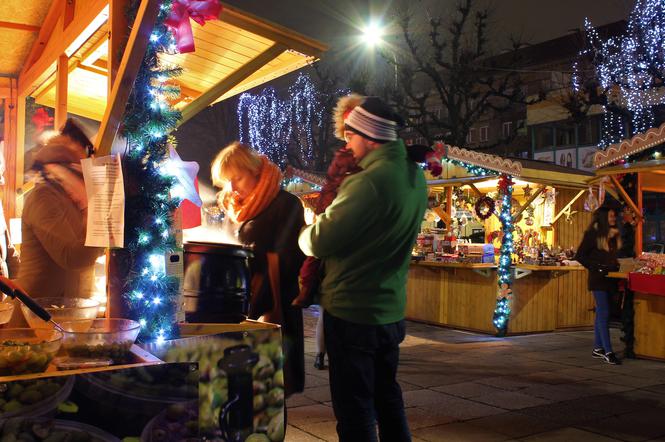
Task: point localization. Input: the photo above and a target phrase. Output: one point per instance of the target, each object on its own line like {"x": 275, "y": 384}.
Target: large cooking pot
{"x": 217, "y": 282}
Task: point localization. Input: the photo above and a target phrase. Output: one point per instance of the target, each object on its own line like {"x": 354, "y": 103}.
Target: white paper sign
{"x": 106, "y": 201}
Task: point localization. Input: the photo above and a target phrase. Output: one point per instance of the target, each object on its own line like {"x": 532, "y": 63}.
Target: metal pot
{"x": 216, "y": 285}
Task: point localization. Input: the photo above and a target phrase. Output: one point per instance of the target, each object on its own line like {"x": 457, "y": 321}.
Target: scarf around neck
{"x": 240, "y": 210}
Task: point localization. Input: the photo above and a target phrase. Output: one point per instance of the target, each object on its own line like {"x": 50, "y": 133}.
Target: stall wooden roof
{"x": 233, "y": 54}
{"x": 527, "y": 170}
{"x": 20, "y": 21}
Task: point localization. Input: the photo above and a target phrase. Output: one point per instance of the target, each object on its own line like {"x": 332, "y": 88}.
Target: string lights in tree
{"x": 272, "y": 125}
{"x": 149, "y": 295}
{"x": 629, "y": 69}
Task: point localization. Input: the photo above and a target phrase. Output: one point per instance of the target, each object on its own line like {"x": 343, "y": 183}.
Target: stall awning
{"x": 526, "y": 170}
{"x": 233, "y": 54}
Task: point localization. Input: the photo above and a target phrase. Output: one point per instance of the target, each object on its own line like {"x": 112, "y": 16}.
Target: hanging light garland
{"x": 271, "y": 124}
{"x": 149, "y": 295}
{"x": 504, "y": 273}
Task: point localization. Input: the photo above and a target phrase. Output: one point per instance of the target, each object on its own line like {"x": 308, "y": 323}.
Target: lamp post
{"x": 372, "y": 36}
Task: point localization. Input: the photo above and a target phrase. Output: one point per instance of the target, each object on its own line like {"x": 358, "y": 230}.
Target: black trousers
{"x": 363, "y": 363}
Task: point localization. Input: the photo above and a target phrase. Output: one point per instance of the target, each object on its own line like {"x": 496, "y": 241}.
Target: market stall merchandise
{"x": 453, "y": 280}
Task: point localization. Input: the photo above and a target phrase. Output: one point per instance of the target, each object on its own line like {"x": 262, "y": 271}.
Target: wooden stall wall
{"x": 575, "y": 302}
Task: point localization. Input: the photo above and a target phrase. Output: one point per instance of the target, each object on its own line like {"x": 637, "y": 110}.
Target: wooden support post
{"x": 117, "y": 32}
{"x": 230, "y": 81}
{"x": 129, "y": 68}
{"x": 639, "y": 228}
{"x": 531, "y": 199}
{"x": 9, "y": 137}
{"x": 61, "y": 86}
{"x": 625, "y": 197}
{"x": 449, "y": 205}
{"x": 567, "y": 206}
{"x": 20, "y": 152}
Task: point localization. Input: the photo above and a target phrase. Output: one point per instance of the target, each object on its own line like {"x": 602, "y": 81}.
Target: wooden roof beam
{"x": 271, "y": 31}
{"x": 55, "y": 41}
{"x": 625, "y": 197}
{"x": 127, "y": 72}
{"x": 19, "y": 26}
{"x": 568, "y": 206}
{"x": 48, "y": 25}
{"x": 232, "y": 80}
{"x": 531, "y": 199}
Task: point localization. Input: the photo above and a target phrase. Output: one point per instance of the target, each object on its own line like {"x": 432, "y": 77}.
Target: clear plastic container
{"x": 64, "y": 309}
{"x": 105, "y": 338}
{"x": 27, "y": 350}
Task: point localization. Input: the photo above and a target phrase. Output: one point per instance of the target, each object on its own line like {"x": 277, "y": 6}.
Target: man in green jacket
{"x": 365, "y": 239}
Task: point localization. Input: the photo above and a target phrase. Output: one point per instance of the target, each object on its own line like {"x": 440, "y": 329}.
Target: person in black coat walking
{"x": 598, "y": 254}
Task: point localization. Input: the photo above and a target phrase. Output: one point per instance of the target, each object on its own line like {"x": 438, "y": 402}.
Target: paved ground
{"x": 460, "y": 386}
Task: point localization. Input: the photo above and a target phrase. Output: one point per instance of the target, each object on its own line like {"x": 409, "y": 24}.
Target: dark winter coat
{"x": 597, "y": 261}
{"x": 276, "y": 230}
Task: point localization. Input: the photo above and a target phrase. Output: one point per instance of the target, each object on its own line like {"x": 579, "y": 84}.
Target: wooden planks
{"x": 534, "y": 304}
{"x": 424, "y": 294}
{"x": 649, "y": 330}
{"x": 574, "y": 302}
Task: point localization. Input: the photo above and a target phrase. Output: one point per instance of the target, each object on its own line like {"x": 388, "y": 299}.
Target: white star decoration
{"x": 185, "y": 173}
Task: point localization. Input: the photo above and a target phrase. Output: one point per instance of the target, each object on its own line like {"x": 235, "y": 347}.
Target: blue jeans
{"x": 601, "y": 328}
{"x": 363, "y": 363}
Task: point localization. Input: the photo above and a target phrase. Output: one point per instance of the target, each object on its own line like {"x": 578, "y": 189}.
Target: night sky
{"x": 338, "y": 23}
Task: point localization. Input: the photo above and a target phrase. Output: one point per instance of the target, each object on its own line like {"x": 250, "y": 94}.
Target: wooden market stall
{"x": 80, "y": 58}
{"x": 548, "y": 205}
{"x": 638, "y": 160}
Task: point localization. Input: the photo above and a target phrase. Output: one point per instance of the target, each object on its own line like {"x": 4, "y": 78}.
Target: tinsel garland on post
{"x": 148, "y": 294}
{"x": 504, "y": 273}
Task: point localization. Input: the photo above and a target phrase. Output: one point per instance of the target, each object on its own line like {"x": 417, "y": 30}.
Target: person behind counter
{"x": 365, "y": 238}
{"x": 598, "y": 254}
{"x": 259, "y": 214}
{"x": 54, "y": 260}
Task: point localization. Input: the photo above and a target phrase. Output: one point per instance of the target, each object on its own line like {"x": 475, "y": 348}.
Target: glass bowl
{"x": 6, "y": 310}
{"x": 27, "y": 350}
{"x": 105, "y": 338}
{"x": 63, "y": 309}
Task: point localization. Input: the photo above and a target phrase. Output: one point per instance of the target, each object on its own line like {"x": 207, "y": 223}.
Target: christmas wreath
{"x": 484, "y": 207}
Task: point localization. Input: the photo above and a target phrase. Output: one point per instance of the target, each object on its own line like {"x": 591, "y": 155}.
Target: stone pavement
{"x": 460, "y": 386}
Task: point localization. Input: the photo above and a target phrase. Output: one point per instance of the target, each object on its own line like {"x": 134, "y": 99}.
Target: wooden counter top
{"x": 456, "y": 265}
{"x": 617, "y": 275}
{"x": 548, "y": 268}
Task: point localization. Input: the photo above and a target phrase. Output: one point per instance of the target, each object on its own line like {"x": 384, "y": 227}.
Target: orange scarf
{"x": 265, "y": 191}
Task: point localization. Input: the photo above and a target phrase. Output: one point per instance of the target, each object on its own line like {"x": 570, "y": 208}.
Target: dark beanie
{"x": 374, "y": 120}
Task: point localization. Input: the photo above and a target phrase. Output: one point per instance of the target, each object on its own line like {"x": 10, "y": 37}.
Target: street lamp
{"x": 372, "y": 36}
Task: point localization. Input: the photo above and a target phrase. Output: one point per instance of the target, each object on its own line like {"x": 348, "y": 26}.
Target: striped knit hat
{"x": 374, "y": 120}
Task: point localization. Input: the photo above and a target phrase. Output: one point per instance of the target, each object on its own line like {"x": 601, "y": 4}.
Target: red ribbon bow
{"x": 182, "y": 11}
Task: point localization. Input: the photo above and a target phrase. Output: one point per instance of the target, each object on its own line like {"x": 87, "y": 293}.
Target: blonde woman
{"x": 259, "y": 214}
{"x": 598, "y": 253}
